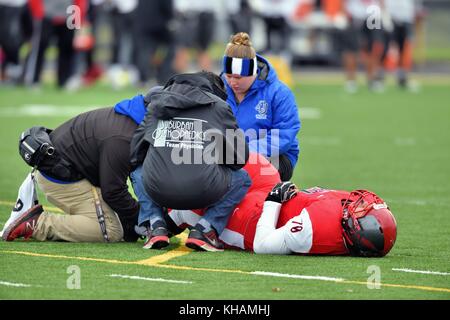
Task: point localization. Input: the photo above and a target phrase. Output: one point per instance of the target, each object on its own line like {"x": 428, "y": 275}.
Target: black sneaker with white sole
{"x": 207, "y": 241}
{"x": 158, "y": 237}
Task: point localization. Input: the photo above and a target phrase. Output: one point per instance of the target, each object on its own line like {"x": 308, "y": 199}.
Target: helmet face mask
{"x": 369, "y": 227}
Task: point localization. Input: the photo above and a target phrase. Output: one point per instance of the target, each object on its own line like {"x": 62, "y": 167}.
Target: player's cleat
{"x": 92, "y": 75}
{"x": 376, "y": 86}
{"x": 158, "y": 238}
{"x": 24, "y": 225}
{"x": 351, "y": 86}
{"x": 200, "y": 241}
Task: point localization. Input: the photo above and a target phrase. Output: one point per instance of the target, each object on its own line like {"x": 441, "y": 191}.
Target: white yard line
{"x": 421, "y": 202}
{"x": 257, "y": 273}
{"x": 13, "y": 284}
{"x": 405, "y": 142}
{"x": 421, "y": 271}
{"x": 123, "y": 276}
{"x": 309, "y": 113}
{"x": 48, "y": 110}
{"x": 321, "y": 141}
{"x": 296, "y": 276}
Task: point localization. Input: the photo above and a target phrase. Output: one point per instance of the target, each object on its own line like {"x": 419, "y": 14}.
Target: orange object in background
{"x": 332, "y": 7}
{"x": 392, "y": 60}
{"x": 408, "y": 56}
{"x": 282, "y": 69}
{"x": 304, "y": 8}
{"x": 84, "y": 39}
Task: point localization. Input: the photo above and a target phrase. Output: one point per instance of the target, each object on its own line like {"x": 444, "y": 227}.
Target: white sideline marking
{"x": 48, "y": 110}
{"x": 149, "y": 279}
{"x": 416, "y": 202}
{"x": 405, "y": 141}
{"x": 322, "y": 141}
{"x": 422, "y": 271}
{"x": 309, "y": 113}
{"x": 419, "y": 202}
{"x": 296, "y": 276}
{"x": 12, "y": 284}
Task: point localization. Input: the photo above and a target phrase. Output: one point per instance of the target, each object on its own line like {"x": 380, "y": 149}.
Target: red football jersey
{"x": 264, "y": 177}
{"x": 313, "y": 218}
{"x": 263, "y": 174}
{"x": 324, "y": 208}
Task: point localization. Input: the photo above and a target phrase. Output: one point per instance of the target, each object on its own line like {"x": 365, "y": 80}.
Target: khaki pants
{"x": 79, "y": 223}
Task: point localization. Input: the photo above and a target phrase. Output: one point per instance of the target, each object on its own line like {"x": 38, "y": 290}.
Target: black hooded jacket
{"x": 184, "y": 147}
{"x": 96, "y": 146}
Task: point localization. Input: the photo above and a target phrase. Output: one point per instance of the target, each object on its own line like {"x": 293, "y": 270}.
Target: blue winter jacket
{"x": 269, "y": 104}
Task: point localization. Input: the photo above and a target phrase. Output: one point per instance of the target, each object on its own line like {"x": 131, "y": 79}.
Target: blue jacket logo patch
{"x": 261, "y": 107}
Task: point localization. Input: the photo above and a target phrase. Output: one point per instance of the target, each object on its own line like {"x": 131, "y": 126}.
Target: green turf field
{"x": 396, "y": 144}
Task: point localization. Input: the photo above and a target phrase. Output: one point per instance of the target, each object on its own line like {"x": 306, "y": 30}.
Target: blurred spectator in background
{"x": 124, "y": 47}
{"x": 239, "y": 15}
{"x": 276, "y": 15}
{"x": 50, "y": 20}
{"x": 93, "y": 71}
{"x": 86, "y": 70}
{"x": 403, "y": 13}
{"x": 153, "y": 20}
{"x": 359, "y": 35}
{"x": 262, "y": 104}
{"x": 195, "y": 31}
{"x": 11, "y": 38}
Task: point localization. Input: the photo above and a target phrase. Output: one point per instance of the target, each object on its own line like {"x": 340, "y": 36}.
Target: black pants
{"x": 148, "y": 44}
{"x": 284, "y": 167}
{"x": 402, "y": 32}
{"x": 358, "y": 36}
{"x": 278, "y": 34}
{"x": 124, "y": 41}
{"x": 196, "y": 30}
{"x": 43, "y": 33}
{"x": 10, "y": 33}
{"x": 92, "y": 18}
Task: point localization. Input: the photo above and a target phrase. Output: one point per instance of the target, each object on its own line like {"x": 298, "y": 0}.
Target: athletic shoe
{"x": 376, "y": 86}
{"x": 157, "y": 238}
{"x": 92, "y": 75}
{"x": 200, "y": 241}
{"x": 351, "y": 86}
{"x": 24, "y": 225}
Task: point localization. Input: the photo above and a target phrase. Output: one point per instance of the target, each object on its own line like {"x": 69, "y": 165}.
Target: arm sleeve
{"x": 268, "y": 239}
{"x": 285, "y": 126}
{"x": 138, "y": 145}
{"x": 295, "y": 236}
{"x": 114, "y": 170}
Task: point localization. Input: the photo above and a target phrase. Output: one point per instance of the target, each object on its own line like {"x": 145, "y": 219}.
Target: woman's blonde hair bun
{"x": 240, "y": 46}
{"x": 241, "y": 39}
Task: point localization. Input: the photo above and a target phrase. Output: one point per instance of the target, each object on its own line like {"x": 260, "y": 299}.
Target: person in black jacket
{"x": 153, "y": 32}
{"x": 89, "y": 182}
{"x": 187, "y": 154}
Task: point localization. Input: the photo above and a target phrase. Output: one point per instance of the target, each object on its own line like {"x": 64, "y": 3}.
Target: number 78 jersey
{"x": 310, "y": 223}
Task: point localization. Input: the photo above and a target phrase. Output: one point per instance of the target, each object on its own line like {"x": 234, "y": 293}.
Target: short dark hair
{"x": 204, "y": 79}
{"x": 217, "y": 83}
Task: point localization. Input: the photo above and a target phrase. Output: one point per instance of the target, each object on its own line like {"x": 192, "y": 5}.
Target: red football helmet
{"x": 370, "y": 228}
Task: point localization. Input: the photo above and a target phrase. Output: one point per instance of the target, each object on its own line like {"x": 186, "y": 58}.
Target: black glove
{"x": 128, "y": 223}
{"x": 282, "y": 192}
